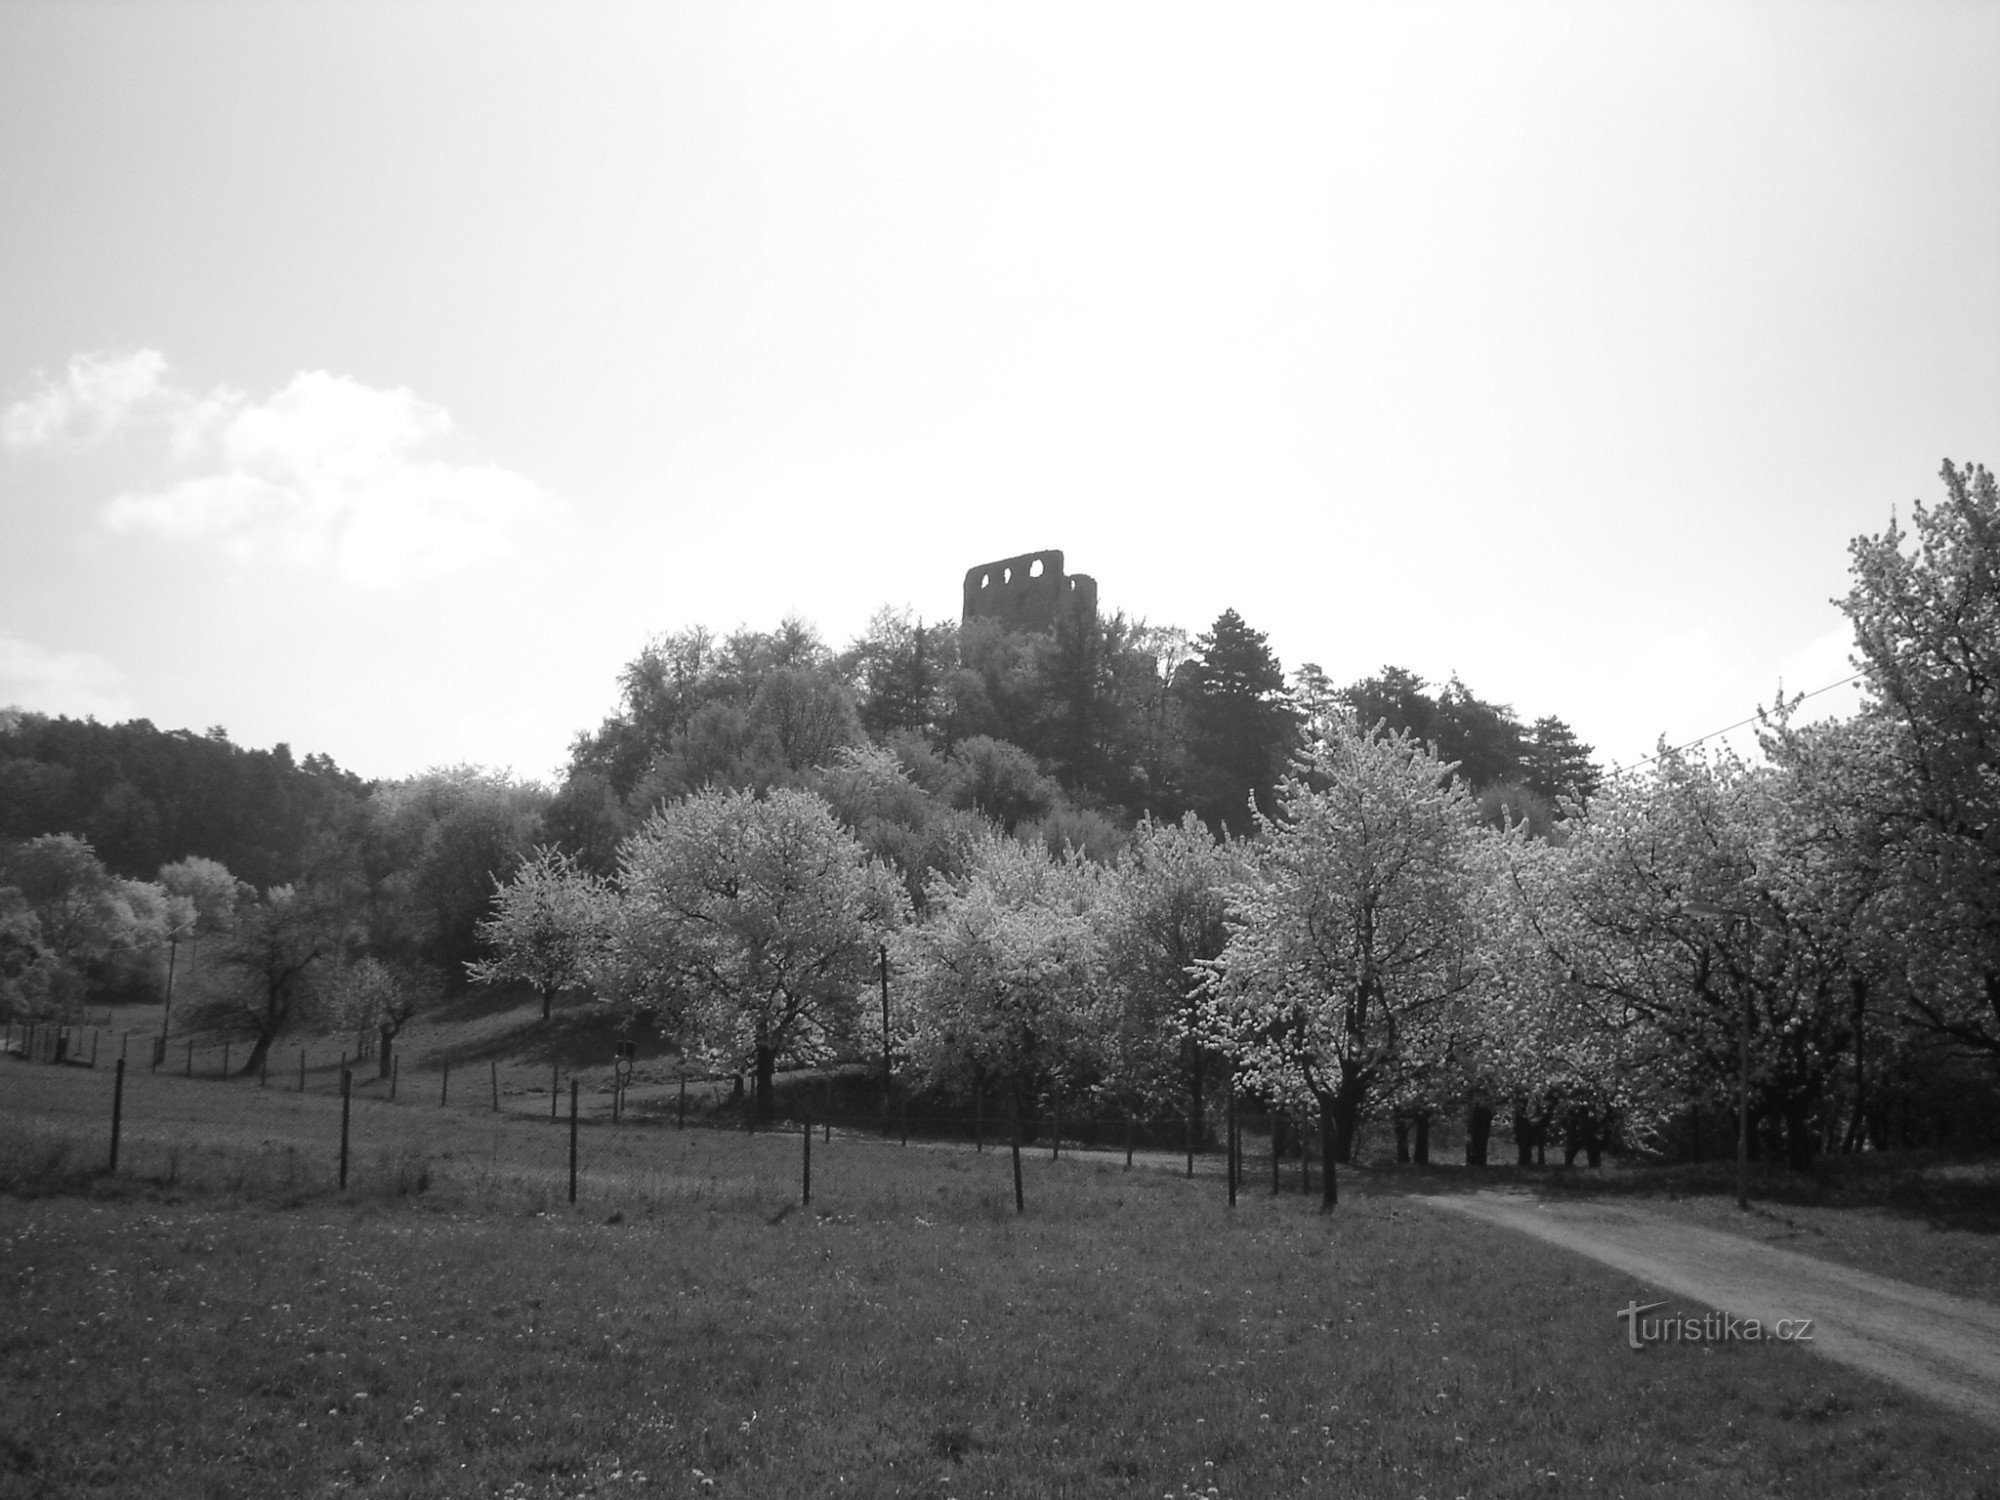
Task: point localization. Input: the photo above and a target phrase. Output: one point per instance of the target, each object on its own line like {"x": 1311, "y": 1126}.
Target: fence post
{"x": 495, "y": 1063}
{"x": 1020, "y": 1202}
{"x": 806, "y": 1193}
{"x": 346, "y": 1097}
{"x": 117, "y": 1111}
{"x": 444, "y": 1086}
{"x": 1230, "y": 1165}
{"x": 572, "y": 1138}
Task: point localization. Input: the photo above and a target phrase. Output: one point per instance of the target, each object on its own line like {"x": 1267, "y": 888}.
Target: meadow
{"x": 219, "y": 1319}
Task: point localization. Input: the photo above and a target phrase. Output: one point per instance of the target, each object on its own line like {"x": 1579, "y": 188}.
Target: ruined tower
{"x": 1027, "y": 592}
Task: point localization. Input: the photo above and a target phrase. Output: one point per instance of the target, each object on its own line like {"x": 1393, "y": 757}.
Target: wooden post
{"x": 572, "y": 1139}
{"x": 806, "y": 1188}
{"x": 1020, "y": 1203}
{"x": 1230, "y": 1165}
{"x": 495, "y": 1066}
{"x": 444, "y": 1086}
{"x": 117, "y": 1111}
{"x": 346, "y": 1102}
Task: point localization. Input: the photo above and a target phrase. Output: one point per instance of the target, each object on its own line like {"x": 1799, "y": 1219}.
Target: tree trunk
{"x": 1799, "y": 1141}
{"x": 767, "y": 1091}
{"x": 1424, "y": 1139}
{"x": 1478, "y": 1126}
{"x": 548, "y": 1000}
{"x": 1347, "y": 1111}
{"x": 1524, "y": 1140}
{"x": 382, "y": 1061}
{"x": 1402, "y": 1124}
{"x": 1329, "y": 1151}
{"x": 258, "y": 1051}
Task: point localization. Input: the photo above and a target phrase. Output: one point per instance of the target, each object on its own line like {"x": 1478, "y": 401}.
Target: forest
{"x": 1120, "y": 864}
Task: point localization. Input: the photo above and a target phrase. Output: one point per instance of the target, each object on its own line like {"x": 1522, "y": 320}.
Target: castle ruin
{"x": 1028, "y": 592}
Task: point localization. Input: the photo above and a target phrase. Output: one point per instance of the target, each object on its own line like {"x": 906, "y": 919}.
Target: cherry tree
{"x": 1350, "y": 946}
{"x": 1165, "y": 914}
{"x": 548, "y": 928}
{"x": 1927, "y": 623}
{"x": 1003, "y": 980}
{"x": 754, "y": 921}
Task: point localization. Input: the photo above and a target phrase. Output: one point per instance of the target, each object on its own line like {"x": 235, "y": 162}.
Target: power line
{"x": 1713, "y": 733}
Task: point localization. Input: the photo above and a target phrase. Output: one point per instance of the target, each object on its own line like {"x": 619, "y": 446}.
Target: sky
{"x": 379, "y": 378}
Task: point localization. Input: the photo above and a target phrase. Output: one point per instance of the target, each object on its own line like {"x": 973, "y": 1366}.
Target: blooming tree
{"x": 1164, "y": 915}
{"x": 1351, "y": 945}
{"x": 754, "y": 922}
{"x": 1003, "y": 979}
{"x": 548, "y": 927}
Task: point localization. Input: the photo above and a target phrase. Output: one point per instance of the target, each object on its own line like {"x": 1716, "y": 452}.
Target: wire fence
{"x": 311, "y": 1116}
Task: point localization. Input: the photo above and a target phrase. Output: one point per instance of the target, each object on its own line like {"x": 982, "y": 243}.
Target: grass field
{"x": 219, "y": 1320}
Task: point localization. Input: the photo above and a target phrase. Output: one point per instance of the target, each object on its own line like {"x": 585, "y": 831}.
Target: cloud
{"x": 95, "y": 397}
{"x": 60, "y": 682}
{"x": 331, "y": 470}
{"x": 375, "y": 484}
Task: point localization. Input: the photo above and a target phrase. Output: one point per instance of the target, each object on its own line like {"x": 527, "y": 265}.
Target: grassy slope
{"x": 248, "y": 1331}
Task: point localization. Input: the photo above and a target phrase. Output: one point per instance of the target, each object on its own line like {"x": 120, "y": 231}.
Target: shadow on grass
{"x": 576, "y": 1036}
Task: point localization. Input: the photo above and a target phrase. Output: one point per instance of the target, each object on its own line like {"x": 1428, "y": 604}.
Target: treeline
{"x": 1814, "y": 940}
{"x": 1077, "y": 732}
{"x": 920, "y": 737}
{"x": 143, "y": 797}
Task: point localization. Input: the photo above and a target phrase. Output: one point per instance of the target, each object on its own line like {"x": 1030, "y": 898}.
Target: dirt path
{"x": 1945, "y": 1348}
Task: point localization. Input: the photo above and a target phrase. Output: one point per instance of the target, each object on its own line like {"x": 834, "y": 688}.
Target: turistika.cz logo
{"x": 1711, "y": 1328}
